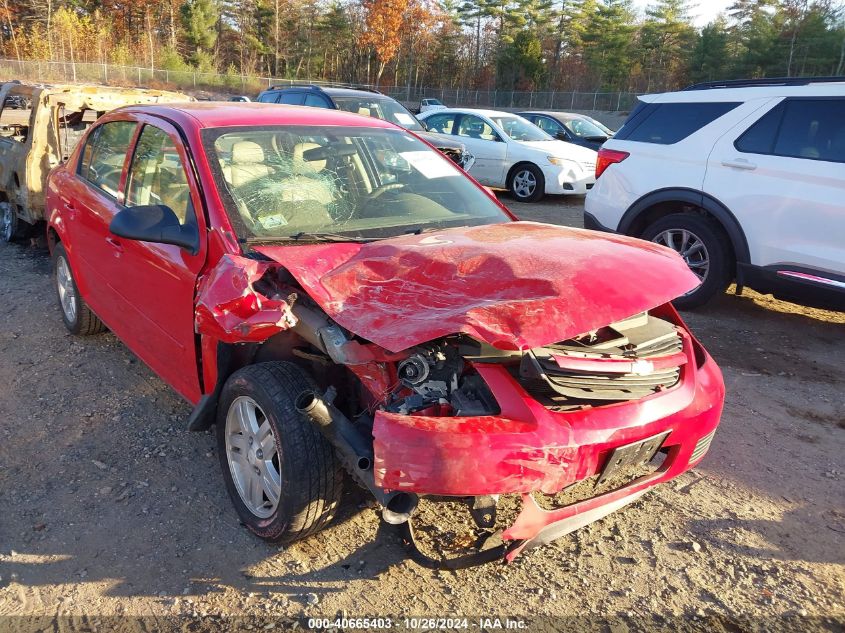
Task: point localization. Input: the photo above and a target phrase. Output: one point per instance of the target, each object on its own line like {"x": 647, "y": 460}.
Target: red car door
{"x": 155, "y": 283}
{"x": 89, "y": 199}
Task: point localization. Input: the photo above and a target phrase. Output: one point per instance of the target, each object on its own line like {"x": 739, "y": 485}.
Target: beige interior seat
{"x": 309, "y": 179}
{"x": 247, "y": 164}
{"x": 305, "y": 167}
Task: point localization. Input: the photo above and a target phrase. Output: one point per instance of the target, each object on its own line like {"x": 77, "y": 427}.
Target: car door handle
{"x": 739, "y": 163}
{"x": 115, "y": 244}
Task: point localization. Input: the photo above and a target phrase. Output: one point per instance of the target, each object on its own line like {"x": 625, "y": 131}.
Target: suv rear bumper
{"x": 591, "y": 223}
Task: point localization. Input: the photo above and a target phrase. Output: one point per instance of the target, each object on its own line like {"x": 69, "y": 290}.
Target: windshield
{"x": 380, "y": 108}
{"x": 519, "y": 129}
{"x": 583, "y": 128}
{"x": 358, "y": 183}
{"x": 607, "y": 131}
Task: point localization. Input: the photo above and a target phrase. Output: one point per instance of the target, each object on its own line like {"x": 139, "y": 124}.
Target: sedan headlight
{"x": 554, "y": 160}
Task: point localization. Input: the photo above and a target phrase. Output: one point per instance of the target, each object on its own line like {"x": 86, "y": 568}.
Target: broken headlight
{"x": 435, "y": 379}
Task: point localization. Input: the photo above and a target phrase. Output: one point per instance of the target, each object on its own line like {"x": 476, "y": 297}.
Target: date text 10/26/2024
{"x": 418, "y": 623}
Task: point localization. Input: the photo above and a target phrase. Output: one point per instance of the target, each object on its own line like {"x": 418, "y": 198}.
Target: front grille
{"x": 627, "y": 360}
{"x": 701, "y": 447}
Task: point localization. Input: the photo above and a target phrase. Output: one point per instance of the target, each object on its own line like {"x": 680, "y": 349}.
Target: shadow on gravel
{"x": 785, "y": 539}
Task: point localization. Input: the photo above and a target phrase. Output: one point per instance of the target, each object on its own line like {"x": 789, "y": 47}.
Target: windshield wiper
{"x": 430, "y": 229}
{"x": 305, "y": 236}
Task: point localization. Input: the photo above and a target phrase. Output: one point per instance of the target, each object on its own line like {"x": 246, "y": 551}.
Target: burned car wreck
{"x": 40, "y": 126}
{"x": 361, "y": 305}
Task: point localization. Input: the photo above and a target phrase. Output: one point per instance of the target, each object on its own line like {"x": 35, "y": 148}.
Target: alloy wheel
{"x": 67, "y": 293}
{"x": 689, "y": 246}
{"x": 252, "y": 456}
{"x": 524, "y": 183}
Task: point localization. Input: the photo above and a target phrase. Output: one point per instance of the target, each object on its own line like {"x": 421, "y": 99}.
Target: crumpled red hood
{"x": 515, "y": 285}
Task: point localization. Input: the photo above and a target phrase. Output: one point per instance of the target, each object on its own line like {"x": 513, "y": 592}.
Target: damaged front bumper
{"x": 529, "y": 448}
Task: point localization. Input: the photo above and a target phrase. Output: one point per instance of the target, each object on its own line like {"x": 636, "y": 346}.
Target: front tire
{"x": 77, "y": 316}
{"x": 527, "y": 183}
{"x": 704, "y": 249}
{"x": 280, "y": 472}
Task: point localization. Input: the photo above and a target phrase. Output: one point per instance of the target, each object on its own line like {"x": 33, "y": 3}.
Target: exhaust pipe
{"x": 356, "y": 453}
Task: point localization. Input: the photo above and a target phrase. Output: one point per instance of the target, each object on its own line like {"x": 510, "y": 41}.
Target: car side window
{"x": 316, "y": 101}
{"x": 799, "y": 128}
{"x": 268, "y": 97}
{"x": 473, "y": 127}
{"x": 443, "y": 123}
{"x": 291, "y": 98}
{"x": 102, "y": 158}
{"x": 548, "y": 125}
{"x": 813, "y": 128}
{"x": 760, "y": 137}
{"x": 157, "y": 175}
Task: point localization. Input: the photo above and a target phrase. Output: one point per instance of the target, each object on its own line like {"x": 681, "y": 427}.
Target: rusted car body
{"x": 40, "y": 126}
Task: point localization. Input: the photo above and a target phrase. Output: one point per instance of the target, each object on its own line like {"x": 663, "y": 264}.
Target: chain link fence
{"x": 231, "y": 84}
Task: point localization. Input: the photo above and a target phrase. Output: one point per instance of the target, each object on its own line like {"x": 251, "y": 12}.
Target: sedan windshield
{"x": 380, "y": 108}
{"x": 321, "y": 183}
{"x": 583, "y": 128}
{"x": 519, "y": 129}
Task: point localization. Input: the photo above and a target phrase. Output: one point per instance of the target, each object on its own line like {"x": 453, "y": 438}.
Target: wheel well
{"x": 53, "y": 238}
{"x": 284, "y": 346}
{"x": 513, "y": 169}
{"x": 661, "y": 209}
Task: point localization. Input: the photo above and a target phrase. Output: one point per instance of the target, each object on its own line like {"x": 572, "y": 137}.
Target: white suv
{"x": 745, "y": 179}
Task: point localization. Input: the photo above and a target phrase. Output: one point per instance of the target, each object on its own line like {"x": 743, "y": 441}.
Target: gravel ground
{"x": 109, "y": 508}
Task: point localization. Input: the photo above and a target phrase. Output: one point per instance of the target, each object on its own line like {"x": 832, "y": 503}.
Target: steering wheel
{"x": 375, "y": 193}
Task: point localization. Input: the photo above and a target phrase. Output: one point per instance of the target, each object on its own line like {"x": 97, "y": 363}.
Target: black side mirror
{"x": 562, "y": 136}
{"x": 154, "y": 223}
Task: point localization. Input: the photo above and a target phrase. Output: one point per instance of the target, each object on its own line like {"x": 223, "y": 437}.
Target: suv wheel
{"x": 527, "y": 183}
{"x": 280, "y": 472}
{"x": 702, "y": 245}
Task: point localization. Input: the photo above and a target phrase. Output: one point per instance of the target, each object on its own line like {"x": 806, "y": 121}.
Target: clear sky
{"x": 702, "y": 11}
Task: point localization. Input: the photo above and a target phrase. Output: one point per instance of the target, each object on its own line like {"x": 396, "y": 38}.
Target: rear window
{"x": 104, "y": 154}
{"x": 667, "y": 123}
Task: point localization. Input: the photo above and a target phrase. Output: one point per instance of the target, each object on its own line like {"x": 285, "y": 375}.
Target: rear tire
{"x": 527, "y": 183}
{"x": 77, "y": 316}
{"x": 704, "y": 248}
{"x": 280, "y": 472}
{"x": 13, "y": 228}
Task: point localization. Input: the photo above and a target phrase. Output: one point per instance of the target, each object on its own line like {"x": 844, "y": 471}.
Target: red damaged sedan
{"x": 334, "y": 295}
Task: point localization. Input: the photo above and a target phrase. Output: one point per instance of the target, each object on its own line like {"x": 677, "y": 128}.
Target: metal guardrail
{"x": 73, "y": 72}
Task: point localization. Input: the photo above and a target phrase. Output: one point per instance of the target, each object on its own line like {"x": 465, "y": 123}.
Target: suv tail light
{"x": 607, "y": 157}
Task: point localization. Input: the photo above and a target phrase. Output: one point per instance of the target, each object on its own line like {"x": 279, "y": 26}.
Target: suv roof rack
{"x": 325, "y": 85}
{"x": 765, "y": 81}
